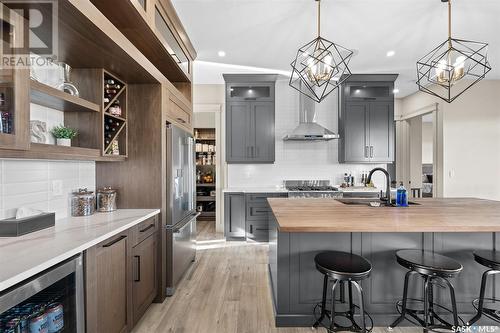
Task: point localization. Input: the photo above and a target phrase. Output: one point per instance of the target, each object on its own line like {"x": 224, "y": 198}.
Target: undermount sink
{"x": 366, "y": 202}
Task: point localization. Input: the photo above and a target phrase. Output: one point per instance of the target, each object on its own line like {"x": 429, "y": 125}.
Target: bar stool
{"x": 490, "y": 259}
{"x": 433, "y": 268}
{"x": 342, "y": 268}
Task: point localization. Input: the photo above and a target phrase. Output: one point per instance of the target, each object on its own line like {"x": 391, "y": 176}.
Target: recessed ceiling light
{"x": 395, "y": 91}
{"x": 391, "y": 53}
{"x": 221, "y": 53}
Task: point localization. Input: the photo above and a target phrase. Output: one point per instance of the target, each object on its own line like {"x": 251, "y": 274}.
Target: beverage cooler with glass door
{"x": 50, "y": 302}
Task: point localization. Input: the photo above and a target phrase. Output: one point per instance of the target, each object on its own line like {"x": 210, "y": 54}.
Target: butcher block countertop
{"x": 432, "y": 215}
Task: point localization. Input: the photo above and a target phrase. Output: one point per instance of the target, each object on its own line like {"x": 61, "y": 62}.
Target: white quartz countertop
{"x": 25, "y": 256}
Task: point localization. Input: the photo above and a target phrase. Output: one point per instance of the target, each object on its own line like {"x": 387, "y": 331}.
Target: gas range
{"x": 311, "y": 189}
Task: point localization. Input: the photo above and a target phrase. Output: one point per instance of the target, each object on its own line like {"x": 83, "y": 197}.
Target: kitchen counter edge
{"x": 23, "y": 274}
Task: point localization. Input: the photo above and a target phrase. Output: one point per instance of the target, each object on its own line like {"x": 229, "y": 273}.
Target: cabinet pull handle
{"x": 366, "y": 151}
{"x": 147, "y": 228}
{"x": 115, "y": 241}
{"x": 251, "y": 228}
{"x": 138, "y": 270}
{"x": 181, "y": 120}
{"x": 371, "y": 151}
{"x": 261, "y": 211}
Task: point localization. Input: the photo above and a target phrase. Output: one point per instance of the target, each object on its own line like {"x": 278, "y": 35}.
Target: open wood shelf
{"x": 205, "y": 184}
{"x": 107, "y": 114}
{"x": 205, "y": 198}
{"x": 56, "y": 99}
{"x": 53, "y": 152}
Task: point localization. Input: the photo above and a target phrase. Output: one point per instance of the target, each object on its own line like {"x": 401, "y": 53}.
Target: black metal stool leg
{"x": 431, "y": 302}
{"x": 361, "y": 305}
{"x": 482, "y": 291}
{"x": 352, "y": 308}
{"x": 453, "y": 302}
{"x": 426, "y": 303}
{"x": 332, "y": 315}
{"x": 323, "y": 302}
{"x": 405, "y": 300}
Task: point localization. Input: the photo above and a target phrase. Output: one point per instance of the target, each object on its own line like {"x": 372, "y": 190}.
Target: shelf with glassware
{"x": 205, "y": 172}
{"x": 114, "y": 116}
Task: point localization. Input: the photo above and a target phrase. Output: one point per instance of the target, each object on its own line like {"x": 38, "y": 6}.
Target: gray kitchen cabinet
{"x": 247, "y": 215}
{"x": 354, "y": 132}
{"x": 238, "y": 131}
{"x": 234, "y": 215}
{"x": 366, "y": 119}
{"x": 250, "y": 133}
{"x": 381, "y": 129}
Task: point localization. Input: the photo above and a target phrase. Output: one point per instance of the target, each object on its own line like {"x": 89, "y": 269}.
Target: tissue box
{"x": 17, "y": 227}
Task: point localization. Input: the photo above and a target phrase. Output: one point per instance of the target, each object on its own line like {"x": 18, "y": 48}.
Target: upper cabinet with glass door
{"x": 155, "y": 29}
{"x": 14, "y": 82}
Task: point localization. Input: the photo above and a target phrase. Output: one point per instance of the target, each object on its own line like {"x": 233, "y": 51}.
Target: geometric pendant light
{"x": 320, "y": 66}
{"x": 452, "y": 67}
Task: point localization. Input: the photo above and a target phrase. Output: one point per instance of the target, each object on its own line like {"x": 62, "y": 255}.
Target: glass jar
{"x": 106, "y": 200}
{"x": 82, "y": 203}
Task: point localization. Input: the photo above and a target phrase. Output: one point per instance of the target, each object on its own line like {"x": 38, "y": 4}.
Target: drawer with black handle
{"x": 144, "y": 229}
{"x": 258, "y": 231}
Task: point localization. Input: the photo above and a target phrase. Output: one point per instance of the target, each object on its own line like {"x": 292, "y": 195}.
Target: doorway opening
{"x": 419, "y": 152}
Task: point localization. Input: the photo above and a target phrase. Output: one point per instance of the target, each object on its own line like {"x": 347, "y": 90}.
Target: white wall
{"x": 471, "y": 140}
{"x": 298, "y": 159}
{"x": 204, "y": 120}
{"x": 427, "y": 142}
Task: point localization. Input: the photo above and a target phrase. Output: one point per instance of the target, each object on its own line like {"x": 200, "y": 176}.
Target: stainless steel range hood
{"x": 309, "y": 129}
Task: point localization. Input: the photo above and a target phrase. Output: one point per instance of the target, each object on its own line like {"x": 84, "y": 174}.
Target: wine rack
{"x": 114, "y": 116}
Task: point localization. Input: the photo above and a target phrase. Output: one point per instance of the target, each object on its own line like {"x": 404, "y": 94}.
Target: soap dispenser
{"x": 401, "y": 196}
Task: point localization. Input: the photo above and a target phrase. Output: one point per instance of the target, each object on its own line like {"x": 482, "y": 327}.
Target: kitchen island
{"x": 300, "y": 228}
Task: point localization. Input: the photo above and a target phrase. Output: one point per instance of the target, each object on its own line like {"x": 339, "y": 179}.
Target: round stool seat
{"x": 342, "y": 265}
{"x": 428, "y": 263}
{"x": 488, "y": 258}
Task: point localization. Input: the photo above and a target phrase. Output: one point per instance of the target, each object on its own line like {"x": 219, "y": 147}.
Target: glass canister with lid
{"x": 106, "y": 199}
{"x": 82, "y": 203}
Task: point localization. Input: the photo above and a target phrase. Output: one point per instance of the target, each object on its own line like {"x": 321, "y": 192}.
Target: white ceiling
{"x": 267, "y": 33}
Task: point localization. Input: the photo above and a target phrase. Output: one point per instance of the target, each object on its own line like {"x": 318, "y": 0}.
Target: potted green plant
{"x": 63, "y": 135}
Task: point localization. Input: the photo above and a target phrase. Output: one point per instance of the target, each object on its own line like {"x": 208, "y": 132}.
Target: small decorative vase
{"x": 67, "y": 86}
{"x": 64, "y": 142}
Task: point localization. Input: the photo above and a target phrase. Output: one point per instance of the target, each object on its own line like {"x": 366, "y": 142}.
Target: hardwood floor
{"x": 226, "y": 290}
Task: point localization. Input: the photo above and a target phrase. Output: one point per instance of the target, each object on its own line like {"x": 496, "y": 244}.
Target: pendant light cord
{"x": 319, "y": 17}
{"x": 449, "y": 24}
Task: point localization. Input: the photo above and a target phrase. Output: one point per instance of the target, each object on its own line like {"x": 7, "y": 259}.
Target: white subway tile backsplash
{"x": 29, "y": 183}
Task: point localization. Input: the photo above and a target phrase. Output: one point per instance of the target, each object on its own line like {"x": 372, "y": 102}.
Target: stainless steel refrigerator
{"x": 180, "y": 228}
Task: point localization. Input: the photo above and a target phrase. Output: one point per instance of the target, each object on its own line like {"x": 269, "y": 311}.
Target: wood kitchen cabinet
{"x": 366, "y": 119}
{"x": 121, "y": 278}
{"x": 144, "y": 268}
{"x": 107, "y": 284}
{"x": 250, "y": 118}
{"x": 14, "y": 86}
